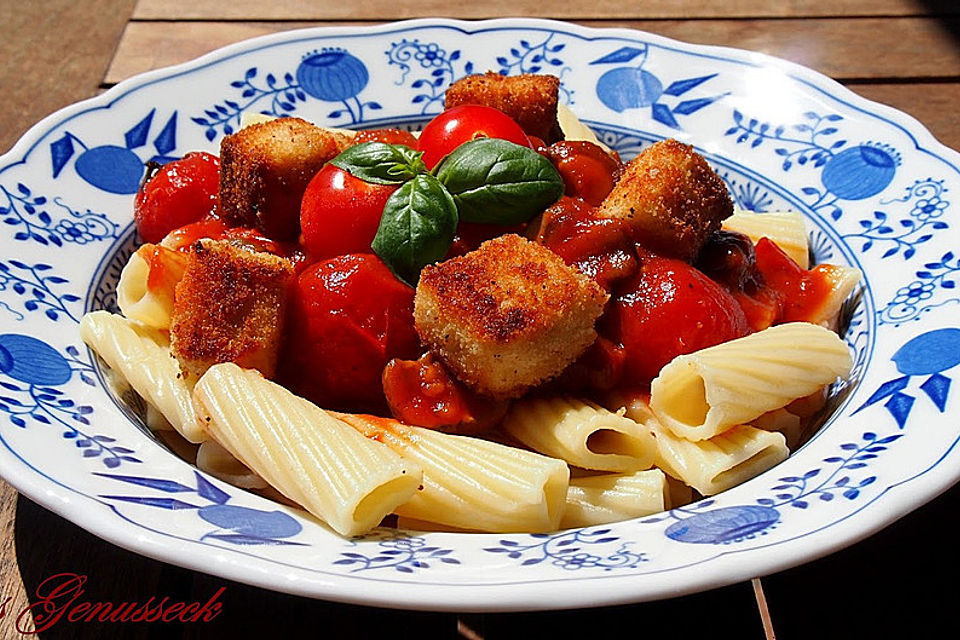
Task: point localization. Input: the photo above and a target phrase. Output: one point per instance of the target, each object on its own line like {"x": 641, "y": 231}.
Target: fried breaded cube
{"x": 265, "y": 168}
{"x": 671, "y": 199}
{"x": 507, "y": 315}
{"x": 229, "y": 307}
{"x": 530, "y": 99}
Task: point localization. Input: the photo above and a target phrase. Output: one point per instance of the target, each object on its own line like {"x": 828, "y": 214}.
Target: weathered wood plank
{"x": 841, "y": 48}
{"x": 933, "y": 104}
{"x": 391, "y": 10}
{"x": 53, "y": 54}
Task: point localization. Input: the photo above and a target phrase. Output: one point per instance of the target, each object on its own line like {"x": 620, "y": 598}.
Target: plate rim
{"x": 567, "y": 593}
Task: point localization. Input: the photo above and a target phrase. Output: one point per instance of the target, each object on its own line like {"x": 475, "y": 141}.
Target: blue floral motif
{"x": 929, "y": 354}
{"x": 235, "y": 524}
{"x": 747, "y": 195}
{"x": 330, "y": 75}
{"x": 31, "y": 217}
{"x": 927, "y": 204}
{"x": 30, "y": 371}
{"x": 432, "y": 59}
{"x": 854, "y": 173}
{"x": 397, "y": 550}
{"x": 636, "y": 88}
{"x": 697, "y": 524}
{"x": 529, "y": 57}
{"x": 33, "y": 283}
{"x": 907, "y": 303}
{"x": 566, "y": 550}
{"x": 112, "y": 168}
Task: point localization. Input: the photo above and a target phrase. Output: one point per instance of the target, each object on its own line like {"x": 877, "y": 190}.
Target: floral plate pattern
{"x": 876, "y": 188}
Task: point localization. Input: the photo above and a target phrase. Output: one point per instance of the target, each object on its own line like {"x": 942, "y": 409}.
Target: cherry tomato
{"x": 461, "y": 124}
{"x": 425, "y": 394}
{"x": 180, "y": 192}
{"x": 340, "y": 213}
{"x": 802, "y": 292}
{"x": 390, "y": 136}
{"x": 668, "y": 309}
{"x": 588, "y": 171}
{"x": 348, "y": 317}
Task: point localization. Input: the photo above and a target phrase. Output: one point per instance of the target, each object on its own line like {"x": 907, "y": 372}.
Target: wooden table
{"x": 902, "y": 52}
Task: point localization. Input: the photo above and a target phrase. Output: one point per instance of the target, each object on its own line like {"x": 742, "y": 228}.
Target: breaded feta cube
{"x": 530, "y": 99}
{"x": 265, "y": 168}
{"x": 507, "y": 315}
{"x": 671, "y": 199}
{"x": 229, "y": 307}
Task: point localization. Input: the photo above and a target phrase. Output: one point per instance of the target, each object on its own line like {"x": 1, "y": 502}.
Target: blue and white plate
{"x": 877, "y": 189}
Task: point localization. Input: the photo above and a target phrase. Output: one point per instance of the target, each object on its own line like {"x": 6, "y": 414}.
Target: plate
{"x": 875, "y": 186}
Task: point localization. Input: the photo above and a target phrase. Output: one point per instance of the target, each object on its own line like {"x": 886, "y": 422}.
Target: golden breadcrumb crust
{"x": 507, "y": 315}
{"x": 530, "y": 99}
{"x": 265, "y": 168}
{"x": 671, "y": 199}
{"x": 229, "y": 307}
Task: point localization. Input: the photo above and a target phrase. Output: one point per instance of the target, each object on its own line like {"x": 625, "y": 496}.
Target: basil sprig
{"x": 486, "y": 180}
{"x": 499, "y": 182}
{"x": 417, "y": 227}
{"x": 380, "y": 163}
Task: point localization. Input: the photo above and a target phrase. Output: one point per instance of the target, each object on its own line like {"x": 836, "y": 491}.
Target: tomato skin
{"x": 340, "y": 214}
{"x": 348, "y": 316}
{"x": 425, "y": 394}
{"x": 390, "y": 136}
{"x": 669, "y": 309}
{"x": 181, "y": 192}
{"x": 588, "y": 171}
{"x": 802, "y": 292}
{"x": 461, "y": 124}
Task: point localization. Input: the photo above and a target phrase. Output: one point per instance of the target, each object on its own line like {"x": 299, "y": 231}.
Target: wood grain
{"x": 391, "y": 9}
{"x": 933, "y": 104}
{"x": 53, "y": 55}
{"x": 841, "y": 48}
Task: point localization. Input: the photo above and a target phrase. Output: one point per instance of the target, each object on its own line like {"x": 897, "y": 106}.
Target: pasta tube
{"x": 609, "y": 498}
{"x": 584, "y": 434}
{"x": 702, "y": 394}
{"x": 302, "y": 451}
{"x": 146, "y": 287}
{"x": 723, "y": 461}
{"x": 218, "y": 462}
{"x": 785, "y": 228}
{"x": 470, "y": 483}
{"x": 142, "y": 356}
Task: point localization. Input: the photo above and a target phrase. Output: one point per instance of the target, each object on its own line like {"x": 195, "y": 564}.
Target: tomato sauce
{"x": 600, "y": 248}
{"x": 588, "y": 171}
{"x": 425, "y": 394}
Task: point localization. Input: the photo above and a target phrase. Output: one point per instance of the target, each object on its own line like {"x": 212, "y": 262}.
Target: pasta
{"x": 317, "y": 461}
{"x": 142, "y": 356}
{"x": 723, "y": 461}
{"x": 702, "y": 394}
{"x": 470, "y": 483}
{"x": 785, "y": 228}
{"x": 606, "y": 498}
{"x": 581, "y": 433}
{"x": 146, "y": 288}
{"x": 218, "y": 462}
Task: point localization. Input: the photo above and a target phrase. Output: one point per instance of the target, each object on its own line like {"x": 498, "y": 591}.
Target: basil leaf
{"x": 499, "y": 182}
{"x": 417, "y": 227}
{"x": 380, "y": 163}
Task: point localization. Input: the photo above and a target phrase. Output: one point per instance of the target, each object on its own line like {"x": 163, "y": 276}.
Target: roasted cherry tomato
{"x": 668, "y": 309}
{"x": 425, "y": 394}
{"x": 588, "y": 171}
{"x": 348, "y": 317}
{"x": 340, "y": 213}
{"x": 390, "y": 136}
{"x": 180, "y": 192}
{"x": 461, "y": 124}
